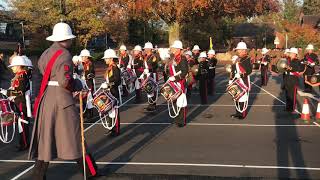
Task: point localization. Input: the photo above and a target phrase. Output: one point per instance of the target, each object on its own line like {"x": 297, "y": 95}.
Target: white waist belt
{"x": 53, "y": 83}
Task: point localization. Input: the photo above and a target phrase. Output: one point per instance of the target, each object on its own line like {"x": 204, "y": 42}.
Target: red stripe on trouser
{"x": 90, "y": 166}
{"x": 294, "y": 97}
{"x": 185, "y": 115}
{"x": 244, "y": 113}
{"x": 23, "y": 128}
{"x": 118, "y": 123}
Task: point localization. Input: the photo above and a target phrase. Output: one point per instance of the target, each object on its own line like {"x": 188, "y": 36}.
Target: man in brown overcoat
{"x": 56, "y": 131}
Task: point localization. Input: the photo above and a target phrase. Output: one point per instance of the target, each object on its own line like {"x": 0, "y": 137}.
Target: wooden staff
{"x": 82, "y": 137}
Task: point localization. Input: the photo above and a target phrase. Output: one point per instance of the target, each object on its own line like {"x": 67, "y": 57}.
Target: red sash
{"x": 45, "y": 80}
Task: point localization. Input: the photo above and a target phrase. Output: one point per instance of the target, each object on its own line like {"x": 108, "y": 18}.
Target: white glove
{"x": 3, "y": 91}
{"x": 129, "y": 67}
{"x": 237, "y": 75}
{"x": 11, "y": 98}
{"x": 172, "y": 78}
{"x": 265, "y": 63}
{"x": 230, "y": 81}
{"x": 146, "y": 71}
{"x": 104, "y": 85}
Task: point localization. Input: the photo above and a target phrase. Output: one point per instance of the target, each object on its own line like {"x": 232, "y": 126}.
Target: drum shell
{"x": 104, "y": 102}
{"x": 9, "y": 112}
{"x": 170, "y": 91}
{"x": 237, "y": 89}
{"x": 148, "y": 85}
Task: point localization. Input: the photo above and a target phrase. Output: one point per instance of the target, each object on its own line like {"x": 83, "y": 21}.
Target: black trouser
{"x": 211, "y": 82}
{"x": 153, "y": 99}
{"x": 138, "y": 95}
{"x": 264, "y": 75}
{"x": 211, "y": 86}
{"x": 241, "y": 114}
{"x": 309, "y": 71}
{"x": 189, "y": 91}
{"x": 24, "y": 135}
{"x": 115, "y": 131}
{"x": 203, "y": 90}
{"x": 290, "y": 85}
{"x": 180, "y": 120}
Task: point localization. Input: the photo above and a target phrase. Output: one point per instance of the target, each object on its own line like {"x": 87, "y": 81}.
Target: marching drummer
{"x": 20, "y": 85}
{"x": 311, "y": 60}
{"x": 196, "y": 53}
{"x": 212, "y": 62}
{"x": 191, "y": 75}
{"x": 241, "y": 69}
{"x": 265, "y": 60}
{"x": 137, "y": 66}
{"x": 150, "y": 67}
{"x": 202, "y": 76}
{"x": 123, "y": 62}
{"x": 88, "y": 75}
{"x": 77, "y": 65}
{"x": 113, "y": 80}
{"x": 291, "y": 79}
{"x": 178, "y": 69}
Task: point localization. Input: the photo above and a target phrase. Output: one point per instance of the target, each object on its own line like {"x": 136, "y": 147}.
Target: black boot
{"x": 151, "y": 107}
{"x": 138, "y": 96}
{"x": 39, "y": 170}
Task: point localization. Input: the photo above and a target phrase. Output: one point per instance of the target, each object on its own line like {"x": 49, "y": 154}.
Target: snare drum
{"x": 149, "y": 85}
{"x": 104, "y": 102}
{"x": 9, "y": 115}
{"x": 237, "y": 89}
{"x": 170, "y": 91}
{"x": 128, "y": 76}
{"x": 8, "y": 111}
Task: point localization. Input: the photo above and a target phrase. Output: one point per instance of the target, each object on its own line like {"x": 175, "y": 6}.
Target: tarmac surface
{"x": 269, "y": 144}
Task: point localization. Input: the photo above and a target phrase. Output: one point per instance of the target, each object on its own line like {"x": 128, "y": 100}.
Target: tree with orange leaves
{"x": 176, "y": 12}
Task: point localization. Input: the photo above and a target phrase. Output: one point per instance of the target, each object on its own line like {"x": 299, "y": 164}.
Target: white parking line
{"x": 268, "y": 93}
{"x": 185, "y": 164}
{"x": 217, "y": 124}
{"x": 316, "y": 124}
{"x": 214, "y": 105}
{"x": 22, "y": 173}
{"x": 272, "y": 95}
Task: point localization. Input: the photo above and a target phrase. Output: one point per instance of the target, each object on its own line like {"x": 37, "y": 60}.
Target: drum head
{"x": 104, "y": 102}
